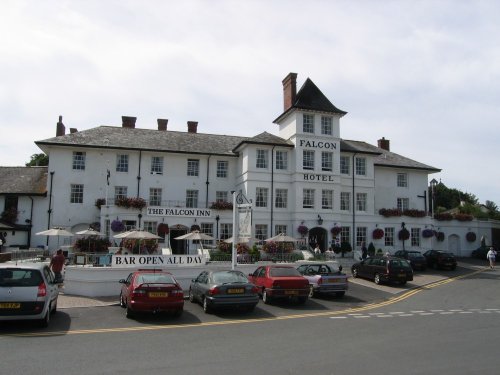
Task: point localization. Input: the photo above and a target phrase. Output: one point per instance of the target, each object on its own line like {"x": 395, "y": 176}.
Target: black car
{"x": 440, "y": 259}
{"x": 416, "y": 259}
{"x": 383, "y": 269}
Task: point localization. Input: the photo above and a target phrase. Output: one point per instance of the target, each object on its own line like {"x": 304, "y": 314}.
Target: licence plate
{"x": 10, "y": 305}
{"x": 236, "y": 291}
{"x": 157, "y": 294}
{"x": 291, "y": 292}
{"x": 330, "y": 281}
{"x": 402, "y": 275}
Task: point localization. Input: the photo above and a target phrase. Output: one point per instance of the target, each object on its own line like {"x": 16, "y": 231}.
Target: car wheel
{"x": 339, "y": 294}
{"x": 311, "y": 291}
{"x": 44, "y": 323}
{"x": 206, "y": 306}
{"x": 123, "y": 304}
{"x": 129, "y": 314}
{"x": 377, "y": 279}
{"x": 354, "y": 272}
{"x": 301, "y": 300}
{"x": 191, "y": 296}
{"x": 265, "y": 298}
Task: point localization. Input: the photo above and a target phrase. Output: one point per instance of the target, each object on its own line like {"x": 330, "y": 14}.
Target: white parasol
{"x": 282, "y": 237}
{"x": 89, "y": 233}
{"x": 137, "y": 235}
{"x": 56, "y": 231}
{"x": 196, "y": 235}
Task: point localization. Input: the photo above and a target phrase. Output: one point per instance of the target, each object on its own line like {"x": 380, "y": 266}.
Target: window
{"x": 150, "y": 226}
{"x": 360, "y": 166}
{"x": 120, "y": 192}
{"x": 402, "y": 180}
{"x": 226, "y": 231}
{"x": 345, "y": 201}
{"x": 308, "y": 159}
{"x": 221, "y": 196}
{"x": 261, "y": 197}
{"x": 79, "y": 161}
{"x": 360, "y": 236}
{"x": 279, "y": 228}
{"x": 361, "y": 202}
{"x": 122, "y": 163}
{"x": 327, "y": 161}
{"x": 222, "y": 167}
{"x": 389, "y": 236}
{"x": 308, "y": 198}
{"x": 345, "y": 164}
{"x": 76, "y": 195}
{"x": 327, "y": 199}
{"x": 191, "y": 198}
{"x": 403, "y": 204}
{"x": 207, "y": 228}
{"x": 157, "y": 165}
{"x": 281, "y": 198}
{"x": 262, "y": 159}
{"x": 155, "y": 196}
{"x": 345, "y": 234}
{"x": 261, "y": 232}
{"x": 193, "y": 167}
{"x": 107, "y": 224}
{"x": 326, "y": 125}
{"x": 281, "y": 160}
{"x": 308, "y": 123}
{"x": 415, "y": 236}
{"x": 130, "y": 224}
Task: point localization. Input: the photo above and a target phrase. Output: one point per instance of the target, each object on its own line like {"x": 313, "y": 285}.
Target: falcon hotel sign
{"x": 179, "y": 211}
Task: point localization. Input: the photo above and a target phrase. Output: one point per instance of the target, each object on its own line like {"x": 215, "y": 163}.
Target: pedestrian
{"x": 491, "y": 256}
{"x": 2, "y": 241}
{"x": 364, "y": 251}
{"x": 57, "y": 264}
{"x": 317, "y": 250}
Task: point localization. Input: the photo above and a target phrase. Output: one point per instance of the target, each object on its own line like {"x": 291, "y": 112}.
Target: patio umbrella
{"x": 137, "y": 235}
{"x": 56, "y": 231}
{"x": 240, "y": 239}
{"x": 195, "y": 235}
{"x": 281, "y": 238}
{"x": 90, "y": 233}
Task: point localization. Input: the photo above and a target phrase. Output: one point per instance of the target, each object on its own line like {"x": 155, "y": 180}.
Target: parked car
{"x": 440, "y": 259}
{"x": 324, "y": 278}
{"x": 280, "y": 282}
{"x": 223, "y": 288}
{"x": 152, "y": 291}
{"x": 28, "y": 291}
{"x": 416, "y": 259}
{"x": 383, "y": 269}
{"x": 480, "y": 252}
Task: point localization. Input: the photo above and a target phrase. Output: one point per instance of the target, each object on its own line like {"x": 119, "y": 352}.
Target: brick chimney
{"x": 128, "y": 122}
{"x": 384, "y": 144}
{"x": 60, "y": 128}
{"x": 192, "y": 126}
{"x": 162, "y": 124}
{"x": 73, "y": 130}
{"x": 289, "y": 90}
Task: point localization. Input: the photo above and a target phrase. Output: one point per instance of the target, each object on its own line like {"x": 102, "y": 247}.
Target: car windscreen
{"x": 229, "y": 277}
{"x": 20, "y": 277}
{"x": 154, "y": 278}
{"x": 283, "y": 271}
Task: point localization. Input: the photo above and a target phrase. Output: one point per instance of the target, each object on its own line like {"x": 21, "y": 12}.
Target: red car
{"x": 280, "y": 282}
{"x": 152, "y": 291}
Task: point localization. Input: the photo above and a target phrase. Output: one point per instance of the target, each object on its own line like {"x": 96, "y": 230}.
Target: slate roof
{"x": 23, "y": 180}
{"x": 310, "y": 98}
{"x": 266, "y": 138}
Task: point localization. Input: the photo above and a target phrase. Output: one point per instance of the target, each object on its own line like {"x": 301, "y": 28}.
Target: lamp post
{"x": 433, "y": 185}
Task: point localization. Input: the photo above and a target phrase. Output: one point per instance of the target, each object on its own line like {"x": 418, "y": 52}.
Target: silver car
{"x": 28, "y": 291}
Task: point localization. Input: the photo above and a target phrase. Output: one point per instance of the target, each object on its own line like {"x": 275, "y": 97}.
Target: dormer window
{"x": 308, "y": 123}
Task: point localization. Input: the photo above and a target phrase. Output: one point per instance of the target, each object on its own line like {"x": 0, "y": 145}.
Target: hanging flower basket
{"x": 302, "y": 229}
{"x": 470, "y": 236}
{"x": 163, "y": 229}
{"x": 440, "y": 236}
{"x": 336, "y": 231}
{"x": 195, "y": 227}
{"x": 378, "y": 234}
{"x": 117, "y": 226}
{"x": 427, "y": 233}
{"x": 404, "y": 234}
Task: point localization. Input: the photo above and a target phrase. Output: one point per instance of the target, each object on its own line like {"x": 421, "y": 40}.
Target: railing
{"x": 31, "y": 255}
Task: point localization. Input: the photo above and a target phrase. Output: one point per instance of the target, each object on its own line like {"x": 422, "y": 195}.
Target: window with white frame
{"x": 221, "y": 196}
{"x": 262, "y": 159}
{"x": 193, "y": 167}
{"x": 156, "y": 164}
{"x": 360, "y": 236}
{"x": 281, "y": 160}
{"x": 261, "y": 232}
{"x": 327, "y": 199}
{"x": 281, "y": 198}
{"x": 130, "y": 224}
{"x": 308, "y": 159}
{"x": 308, "y": 198}
{"x": 120, "y": 192}
{"x": 345, "y": 201}
{"x": 326, "y": 125}
{"x": 222, "y": 167}
{"x": 150, "y": 226}
{"x": 345, "y": 164}
{"x": 402, "y": 180}
{"x": 107, "y": 228}
{"x": 389, "y": 236}
{"x": 208, "y": 229}
{"x": 226, "y": 231}
{"x": 192, "y": 198}
{"x": 403, "y": 203}
{"x": 415, "y": 236}
{"x": 79, "y": 160}
{"x": 327, "y": 161}
{"x": 361, "y": 201}
{"x": 122, "y": 163}
{"x": 261, "y": 197}
{"x": 155, "y": 196}
{"x": 360, "y": 166}
{"x": 345, "y": 234}
{"x": 308, "y": 123}
{"x": 76, "y": 195}
{"x": 280, "y": 228}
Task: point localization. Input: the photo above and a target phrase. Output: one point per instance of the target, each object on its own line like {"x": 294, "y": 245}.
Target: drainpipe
{"x": 49, "y": 211}
{"x": 353, "y": 204}
{"x": 31, "y": 222}
{"x": 208, "y": 181}
{"x": 272, "y": 190}
{"x": 138, "y": 175}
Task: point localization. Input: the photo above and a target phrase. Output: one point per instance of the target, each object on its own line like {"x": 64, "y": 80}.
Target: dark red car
{"x": 151, "y": 291}
{"x": 280, "y": 282}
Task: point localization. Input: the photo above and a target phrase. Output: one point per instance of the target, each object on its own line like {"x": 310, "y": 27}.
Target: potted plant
{"x": 403, "y": 234}
{"x": 470, "y": 236}
{"x": 303, "y": 230}
{"x": 377, "y": 233}
{"x": 336, "y": 230}
{"x": 117, "y": 226}
{"x": 427, "y": 233}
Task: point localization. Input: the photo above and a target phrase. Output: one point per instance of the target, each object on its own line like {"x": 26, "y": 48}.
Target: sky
{"x": 423, "y": 74}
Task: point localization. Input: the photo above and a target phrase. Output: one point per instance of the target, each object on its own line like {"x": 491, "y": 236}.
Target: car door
{"x": 260, "y": 277}
{"x": 200, "y": 285}
{"x": 365, "y": 266}
{"x": 52, "y": 286}
{"x": 126, "y": 287}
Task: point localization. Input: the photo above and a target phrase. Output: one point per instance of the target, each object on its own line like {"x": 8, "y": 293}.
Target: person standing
{"x": 57, "y": 264}
{"x": 2, "y": 241}
{"x": 317, "y": 250}
{"x": 491, "y": 256}
{"x": 364, "y": 251}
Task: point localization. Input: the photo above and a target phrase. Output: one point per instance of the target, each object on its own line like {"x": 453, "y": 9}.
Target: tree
{"x": 38, "y": 160}
{"x": 491, "y": 206}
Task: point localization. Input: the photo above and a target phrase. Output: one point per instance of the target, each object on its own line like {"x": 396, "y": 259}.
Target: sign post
{"x": 242, "y": 223}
